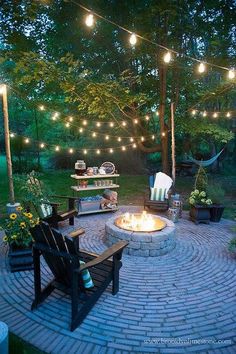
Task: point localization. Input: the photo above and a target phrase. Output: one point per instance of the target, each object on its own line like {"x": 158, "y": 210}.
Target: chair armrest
{"x": 77, "y": 233}
{"x": 111, "y": 251}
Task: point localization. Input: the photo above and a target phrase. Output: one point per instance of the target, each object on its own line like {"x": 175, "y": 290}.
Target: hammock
{"x": 206, "y": 162}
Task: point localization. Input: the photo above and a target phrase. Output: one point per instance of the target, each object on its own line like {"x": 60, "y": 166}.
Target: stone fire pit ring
{"x": 144, "y": 244}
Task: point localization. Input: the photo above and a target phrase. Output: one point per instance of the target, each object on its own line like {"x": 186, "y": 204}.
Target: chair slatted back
{"x": 59, "y": 265}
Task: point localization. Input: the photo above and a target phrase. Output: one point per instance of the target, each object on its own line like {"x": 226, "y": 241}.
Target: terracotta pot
{"x": 200, "y": 214}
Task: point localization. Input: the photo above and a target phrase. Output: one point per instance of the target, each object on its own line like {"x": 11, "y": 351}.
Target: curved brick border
{"x": 187, "y": 294}
{"x": 143, "y": 244}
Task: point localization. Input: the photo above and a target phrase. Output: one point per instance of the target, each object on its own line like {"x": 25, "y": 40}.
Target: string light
{"x": 55, "y": 116}
{"x": 201, "y": 68}
{"x": 107, "y": 137}
{"x": 157, "y": 113}
{"x": 85, "y": 122}
{"x": 142, "y": 138}
{"x": 228, "y": 115}
{"x": 123, "y": 148}
{"x": 27, "y": 140}
{"x": 98, "y": 151}
{"x": 153, "y": 137}
{"x": 94, "y": 135}
{"x": 194, "y": 112}
{"x": 12, "y": 135}
{"x": 42, "y": 145}
{"x": 70, "y": 119}
{"x": 167, "y": 57}
{"x": 147, "y": 118}
{"x": 98, "y": 124}
{"x": 111, "y": 151}
{"x": 135, "y": 121}
{"x": 131, "y": 140}
{"x": 71, "y": 151}
{"x": 134, "y": 146}
{"x": 133, "y": 39}
{"x": 81, "y": 130}
{"x": 231, "y": 74}
{"x": 163, "y": 134}
{"x": 41, "y": 108}
{"x": 67, "y": 125}
{"x": 119, "y": 138}
{"x": 89, "y": 20}
{"x": 204, "y": 114}
{"x": 57, "y": 148}
{"x": 85, "y": 152}
{"x": 124, "y": 124}
{"x": 111, "y": 124}
{"x": 215, "y": 115}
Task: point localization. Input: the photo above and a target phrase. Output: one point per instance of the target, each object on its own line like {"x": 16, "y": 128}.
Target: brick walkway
{"x": 188, "y": 294}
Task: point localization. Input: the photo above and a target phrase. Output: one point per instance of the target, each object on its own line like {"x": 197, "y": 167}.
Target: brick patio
{"x": 187, "y": 294}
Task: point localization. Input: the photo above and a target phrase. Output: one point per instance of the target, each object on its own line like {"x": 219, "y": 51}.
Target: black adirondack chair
{"x": 62, "y": 255}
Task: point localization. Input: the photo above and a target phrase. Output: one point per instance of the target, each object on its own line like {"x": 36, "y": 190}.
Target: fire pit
{"x": 148, "y": 235}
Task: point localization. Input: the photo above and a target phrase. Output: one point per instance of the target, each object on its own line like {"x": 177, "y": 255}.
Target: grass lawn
{"x": 18, "y": 346}
{"x": 131, "y": 191}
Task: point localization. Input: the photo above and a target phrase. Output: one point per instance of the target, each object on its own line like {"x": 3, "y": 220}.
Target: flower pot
{"x": 216, "y": 212}
{"x": 200, "y": 214}
{"x": 20, "y": 258}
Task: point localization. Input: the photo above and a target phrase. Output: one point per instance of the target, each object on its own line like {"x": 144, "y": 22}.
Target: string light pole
{"x": 12, "y": 205}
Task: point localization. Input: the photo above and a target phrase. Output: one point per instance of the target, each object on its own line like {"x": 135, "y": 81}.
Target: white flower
{"x": 202, "y": 194}
{"x": 209, "y": 201}
{"x": 203, "y": 200}
{"x": 196, "y": 191}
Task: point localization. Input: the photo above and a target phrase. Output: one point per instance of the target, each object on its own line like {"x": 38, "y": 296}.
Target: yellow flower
{"x": 37, "y": 221}
{"x": 5, "y": 238}
{"x": 14, "y": 237}
{"x": 25, "y": 214}
{"x": 13, "y": 216}
{"x": 19, "y": 208}
{"x": 22, "y": 225}
{"x": 29, "y": 215}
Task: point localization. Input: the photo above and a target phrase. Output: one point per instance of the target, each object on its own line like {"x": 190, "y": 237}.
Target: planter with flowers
{"x": 200, "y": 207}
{"x": 19, "y": 239}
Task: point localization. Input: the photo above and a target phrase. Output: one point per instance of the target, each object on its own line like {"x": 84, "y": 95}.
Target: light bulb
{"x": 167, "y": 57}
{"x": 98, "y": 151}
{"x": 12, "y": 135}
{"x": 119, "y": 139}
{"x": 98, "y": 124}
{"x": 142, "y": 138}
{"x": 107, "y": 137}
{"x": 111, "y": 124}
{"x": 70, "y": 119}
{"x": 89, "y": 20}
{"x": 228, "y": 114}
{"x": 134, "y": 146}
{"x": 163, "y": 134}
{"x": 131, "y": 140}
{"x": 41, "y": 107}
{"x": 55, "y": 116}
{"x": 94, "y": 135}
{"x": 135, "y": 121}
{"x": 204, "y": 114}
{"x": 153, "y": 137}
{"x": 147, "y": 118}
{"x": 201, "y": 68}
{"x": 71, "y": 151}
{"x": 81, "y": 130}
{"x": 124, "y": 124}
{"x": 133, "y": 39}
{"x": 231, "y": 74}
{"x": 67, "y": 125}
{"x": 85, "y": 122}
{"x": 85, "y": 152}
{"x": 215, "y": 115}
{"x": 27, "y": 140}
{"x": 57, "y": 148}
{"x": 111, "y": 151}
{"x": 194, "y": 112}
{"x": 157, "y": 113}
{"x": 123, "y": 148}
{"x": 42, "y": 145}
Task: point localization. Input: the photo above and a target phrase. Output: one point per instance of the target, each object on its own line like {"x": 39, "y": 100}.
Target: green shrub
{"x": 216, "y": 193}
{"x": 201, "y": 180}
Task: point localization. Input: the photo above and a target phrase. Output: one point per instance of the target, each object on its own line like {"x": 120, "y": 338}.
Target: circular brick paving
{"x": 184, "y": 301}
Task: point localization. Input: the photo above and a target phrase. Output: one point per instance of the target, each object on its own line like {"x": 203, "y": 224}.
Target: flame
{"x": 138, "y": 222}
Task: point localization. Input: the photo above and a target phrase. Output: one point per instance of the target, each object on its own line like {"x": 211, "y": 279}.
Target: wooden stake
{"x": 3, "y": 90}
{"x": 173, "y": 142}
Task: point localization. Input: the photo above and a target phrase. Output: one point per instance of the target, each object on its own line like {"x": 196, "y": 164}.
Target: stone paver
{"x": 181, "y": 302}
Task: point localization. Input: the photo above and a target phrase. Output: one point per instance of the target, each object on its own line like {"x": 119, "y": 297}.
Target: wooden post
{"x": 3, "y": 91}
{"x": 173, "y": 142}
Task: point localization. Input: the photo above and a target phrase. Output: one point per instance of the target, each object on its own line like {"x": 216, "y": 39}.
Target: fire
{"x": 138, "y": 222}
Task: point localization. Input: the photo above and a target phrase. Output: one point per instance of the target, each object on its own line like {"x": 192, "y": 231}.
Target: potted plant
{"x": 200, "y": 206}
{"x": 18, "y": 238}
{"x": 216, "y": 193}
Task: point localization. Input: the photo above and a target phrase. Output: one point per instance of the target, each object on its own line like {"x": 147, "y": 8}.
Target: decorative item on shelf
{"x": 109, "y": 167}
{"x": 19, "y": 239}
{"x": 83, "y": 183}
{"x": 95, "y": 170}
{"x": 90, "y": 171}
{"x": 102, "y": 171}
{"x": 173, "y": 214}
{"x": 80, "y": 167}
